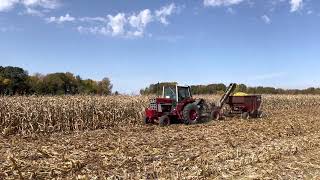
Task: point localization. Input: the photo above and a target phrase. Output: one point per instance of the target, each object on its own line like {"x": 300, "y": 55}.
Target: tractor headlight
{"x": 159, "y": 108}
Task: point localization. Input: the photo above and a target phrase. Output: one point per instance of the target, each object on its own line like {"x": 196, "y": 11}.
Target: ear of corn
{"x": 240, "y": 94}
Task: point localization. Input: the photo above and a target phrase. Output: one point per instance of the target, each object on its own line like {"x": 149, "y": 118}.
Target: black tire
{"x": 226, "y": 110}
{"x": 254, "y": 114}
{"x": 191, "y": 114}
{"x": 145, "y": 120}
{"x": 164, "y": 121}
{"x": 260, "y": 114}
{"x": 215, "y": 115}
{"x": 245, "y": 115}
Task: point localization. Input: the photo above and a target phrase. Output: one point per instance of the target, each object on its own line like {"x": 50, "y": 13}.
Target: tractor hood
{"x": 159, "y": 101}
{"x": 163, "y": 100}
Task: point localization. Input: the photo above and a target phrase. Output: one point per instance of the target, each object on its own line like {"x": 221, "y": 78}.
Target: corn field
{"x": 92, "y": 137}
{"x": 26, "y": 115}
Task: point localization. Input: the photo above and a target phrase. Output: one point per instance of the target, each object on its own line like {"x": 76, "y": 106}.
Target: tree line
{"x": 221, "y": 88}
{"x": 17, "y": 81}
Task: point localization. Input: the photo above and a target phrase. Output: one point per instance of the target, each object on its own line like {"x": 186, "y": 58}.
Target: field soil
{"x": 285, "y": 144}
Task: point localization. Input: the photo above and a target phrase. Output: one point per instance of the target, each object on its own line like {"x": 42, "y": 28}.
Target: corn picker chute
{"x": 245, "y": 105}
{"x": 177, "y": 105}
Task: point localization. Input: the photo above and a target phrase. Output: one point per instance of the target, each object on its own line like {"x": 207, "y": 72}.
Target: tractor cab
{"x": 177, "y": 93}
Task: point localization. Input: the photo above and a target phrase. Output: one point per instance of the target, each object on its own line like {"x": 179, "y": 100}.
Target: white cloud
{"x": 165, "y": 11}
{"x": 6, "y": 5}
{"x": 139, "y": 22}
{"x": 48, "y": 4}
{"x": 32, "y": 12}
{"x": 221, "y": 2}
{"x": 125, "y": 25}
{"x": 266, "y": 19}
{"x": 296, "y": 5}
{"x": 93, "y": 19}
{"x": 116, "y": 24}
{"x": 93, "y": 30}
{"x": 30, "y": 5}
{"x": 61, "y": 19}
{"x": 119, "y": 25}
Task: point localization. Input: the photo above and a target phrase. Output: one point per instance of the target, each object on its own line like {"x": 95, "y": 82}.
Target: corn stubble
{"x": 109, "y": 142}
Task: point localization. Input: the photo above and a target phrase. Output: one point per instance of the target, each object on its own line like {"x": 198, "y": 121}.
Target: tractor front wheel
{"x": 191, "y": 114}
{"x": 145, "y": 120}
{"x": 164, "y": 121}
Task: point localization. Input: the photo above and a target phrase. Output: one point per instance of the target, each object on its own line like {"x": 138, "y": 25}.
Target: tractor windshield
{"x": 169, "y": 93}
{"x": 184, "y": 93}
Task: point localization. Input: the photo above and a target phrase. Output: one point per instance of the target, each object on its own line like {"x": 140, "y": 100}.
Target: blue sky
{"x": 257, "y": 42}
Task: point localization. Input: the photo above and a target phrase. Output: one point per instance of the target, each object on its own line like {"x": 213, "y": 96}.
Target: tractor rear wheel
{"x": 191, "y": 114}
{"x": 164, "y": 121}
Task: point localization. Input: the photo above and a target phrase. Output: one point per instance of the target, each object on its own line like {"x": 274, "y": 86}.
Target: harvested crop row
{"x": 27, "y": 115}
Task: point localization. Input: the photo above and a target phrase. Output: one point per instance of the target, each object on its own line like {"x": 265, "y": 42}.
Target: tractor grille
{"x": 153, "y": 104}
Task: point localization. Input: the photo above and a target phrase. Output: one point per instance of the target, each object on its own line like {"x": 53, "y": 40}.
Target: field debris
{"x": 45, "y": 143}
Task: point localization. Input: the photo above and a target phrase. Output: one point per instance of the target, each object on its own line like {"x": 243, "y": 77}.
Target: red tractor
{"x": 176, "y": 104}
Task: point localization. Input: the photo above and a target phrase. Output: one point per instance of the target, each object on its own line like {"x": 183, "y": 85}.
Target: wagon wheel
{"x": 245, "y": 115}
{"x": 261, "y": 114}
{"x": 164, "y": 121}
{"x": 215, "y": 115}
{"x": 256, "y": 114}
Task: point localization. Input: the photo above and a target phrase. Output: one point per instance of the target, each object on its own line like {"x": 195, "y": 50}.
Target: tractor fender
{"x": 199, "y": 102}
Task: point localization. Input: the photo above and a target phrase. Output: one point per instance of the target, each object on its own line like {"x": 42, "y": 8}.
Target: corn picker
{"x": 177, "y": 105}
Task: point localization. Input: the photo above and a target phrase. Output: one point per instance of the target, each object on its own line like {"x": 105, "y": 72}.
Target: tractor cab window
{"x": 169, "y": 93}
{"x": 183, "y": 93}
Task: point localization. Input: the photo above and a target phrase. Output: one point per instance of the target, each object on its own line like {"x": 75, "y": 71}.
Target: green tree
{"x": 156, "y": 88}
{"x": 89, "y": 86}
{"x": 241, "y": 88}
{"x": 105, "y": 87}
{"x": 70, "y": 83}
{"x": 36, "y": 84}
{"x": 14, "y": 80}
{"x": 54, "y": 84}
